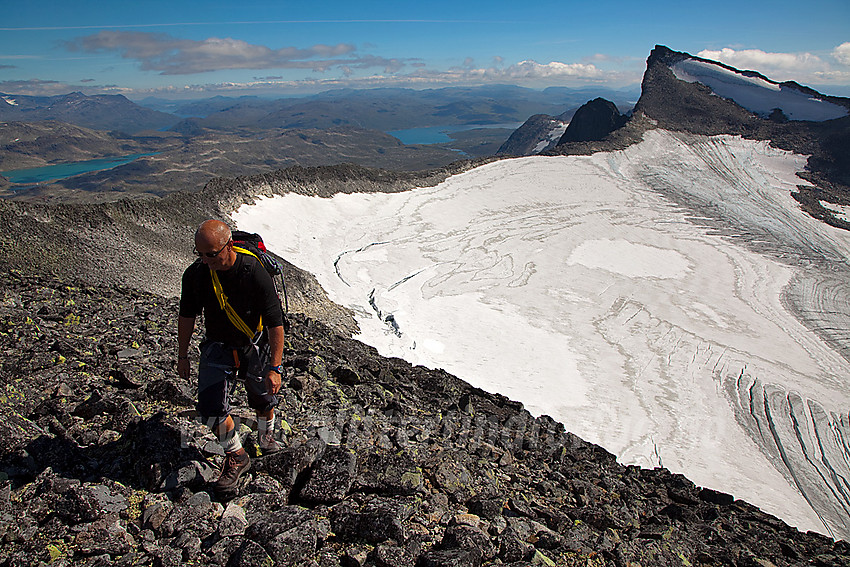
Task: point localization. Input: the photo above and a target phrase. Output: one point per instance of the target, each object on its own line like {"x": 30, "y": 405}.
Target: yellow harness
{"x": 228, "y": 309}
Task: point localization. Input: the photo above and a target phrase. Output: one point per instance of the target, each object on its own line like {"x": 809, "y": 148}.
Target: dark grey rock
{"x": 192, "y": 475}
{"x": 155, "y": 511}
{"x": 389, "y": 474}
{"x": 716, "y": 497}
{"x": 376, "y": 520}
{"x": 88, "y": 503}
{"x": 167, "y": 389}
{"x": 330, "y": 477}
{"x": 97, "y": 404}
{"x": 453, "y": 478}
{"x": 287, "y": 465}
{"x": 469, "y": 538}
{"x": 190, "y": 544}
{"x": 512, "y": 548}
{"x": 221, "y": 551}
{"x": 486, "y": 506}
{"x": 449, "y": 558}
{"x": 393, "y": 556}
{"x": 266, "y": 525}
{"x": 233, "y": 522}
{"x": 558, "y": 495}
{"x": 196, "y": 515}
{"x": 294, "y": 545}
{"x": 250, "y": 554}
{"x": 165, "y": 556}
{"x": 535, "y": 135}
{"x": 593, "y": 122}
{"x": 260, "y": 506}
{"x": 106, "y": 535}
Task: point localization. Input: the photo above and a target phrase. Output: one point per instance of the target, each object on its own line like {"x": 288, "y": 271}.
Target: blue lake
{"x": 65, "y": 170}
{"x": 440, "y": 134}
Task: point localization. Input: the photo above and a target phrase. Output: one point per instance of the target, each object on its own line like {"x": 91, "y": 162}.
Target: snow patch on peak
{"x": 755, "y": 93}
{"x": 554, "y": 135}
{"x": 10, "y": 101}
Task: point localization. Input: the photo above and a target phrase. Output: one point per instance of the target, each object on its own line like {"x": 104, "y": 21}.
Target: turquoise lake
{"x": 440, "y": 134}
{"x": 65, "y": 170}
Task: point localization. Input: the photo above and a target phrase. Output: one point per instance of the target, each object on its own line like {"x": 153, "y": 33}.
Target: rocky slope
{"x": 385, "y": 464}
{"x": 537, "y": 134}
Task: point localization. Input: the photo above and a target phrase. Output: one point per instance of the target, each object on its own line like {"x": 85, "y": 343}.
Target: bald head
{"x": 213, "y": 233}
{"x": 212, "y": 245}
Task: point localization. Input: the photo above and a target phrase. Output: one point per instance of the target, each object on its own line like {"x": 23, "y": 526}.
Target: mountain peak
{"x": 713, "y": 97}
{"x": 593, "y": 121}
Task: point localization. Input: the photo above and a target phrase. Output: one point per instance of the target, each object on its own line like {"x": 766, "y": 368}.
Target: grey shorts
{"x": 218, "y": 372}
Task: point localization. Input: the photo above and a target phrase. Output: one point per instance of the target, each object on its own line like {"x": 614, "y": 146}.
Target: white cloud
{"x": 804, "y": 68}
{"x": 764, "y": 62}
{"x": 842, "y": 53}
{"x": 35, "y": 87}
{"x": 531, "y": 70}
{"x": 174, "y": 56}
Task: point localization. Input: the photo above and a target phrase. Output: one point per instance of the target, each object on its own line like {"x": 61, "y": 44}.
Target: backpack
{"x": 251, "y": 243}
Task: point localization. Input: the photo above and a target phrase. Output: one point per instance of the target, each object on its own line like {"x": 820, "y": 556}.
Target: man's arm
{"x": 276, "y": 340}
{"x": 185, "y": 328}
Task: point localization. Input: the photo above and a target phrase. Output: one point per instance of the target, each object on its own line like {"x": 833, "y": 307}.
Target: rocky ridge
{"x": 669, "y": 103}
{"x": 385, "y": 464}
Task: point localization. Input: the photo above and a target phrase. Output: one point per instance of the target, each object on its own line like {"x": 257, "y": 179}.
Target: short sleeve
{"x": 190, "y": 297}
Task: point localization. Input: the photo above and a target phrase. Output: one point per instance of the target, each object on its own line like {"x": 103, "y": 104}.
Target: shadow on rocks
{"x": 149, "y": 455}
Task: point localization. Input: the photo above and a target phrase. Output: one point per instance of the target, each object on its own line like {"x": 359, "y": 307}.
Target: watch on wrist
{"x": 278, "y": 368}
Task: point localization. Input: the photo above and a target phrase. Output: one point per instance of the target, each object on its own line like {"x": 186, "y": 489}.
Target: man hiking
{"x": 244, "y": 340}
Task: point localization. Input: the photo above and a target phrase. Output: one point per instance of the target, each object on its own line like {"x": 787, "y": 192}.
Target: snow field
{"x": 636, "y": 296}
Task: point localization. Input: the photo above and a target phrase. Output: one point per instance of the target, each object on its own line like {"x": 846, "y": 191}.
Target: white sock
{"x": 266, "y": 424}
{"x": 230, "y": 441}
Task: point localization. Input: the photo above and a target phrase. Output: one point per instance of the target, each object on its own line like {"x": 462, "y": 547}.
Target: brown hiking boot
{"x": 267, "y": 442}
{"x": 235, "y": 465}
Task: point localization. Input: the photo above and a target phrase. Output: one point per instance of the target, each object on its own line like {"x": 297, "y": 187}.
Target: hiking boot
{"x": 267, "y": 442}
{"x": 235, "y": 465}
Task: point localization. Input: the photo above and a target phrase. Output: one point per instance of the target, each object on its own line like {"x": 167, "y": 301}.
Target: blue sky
{"x": 193, "y": 49}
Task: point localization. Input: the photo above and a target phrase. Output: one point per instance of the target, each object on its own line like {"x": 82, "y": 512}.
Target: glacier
{"x": 669, "y": 302}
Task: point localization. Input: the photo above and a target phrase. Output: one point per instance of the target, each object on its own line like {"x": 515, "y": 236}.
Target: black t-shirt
{"x": 249, "y": 289}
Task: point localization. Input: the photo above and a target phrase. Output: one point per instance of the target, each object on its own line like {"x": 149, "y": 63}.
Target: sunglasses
{"x": 210, "y": 254}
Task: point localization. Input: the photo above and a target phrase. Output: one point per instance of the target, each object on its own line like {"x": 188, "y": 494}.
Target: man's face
{"x": 216, "y": 255}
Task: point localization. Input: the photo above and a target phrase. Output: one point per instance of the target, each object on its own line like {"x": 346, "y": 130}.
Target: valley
{"x": 246, "y": 136}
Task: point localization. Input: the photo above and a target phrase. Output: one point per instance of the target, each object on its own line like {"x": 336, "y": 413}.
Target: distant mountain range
{"x": 99, "y": 112}
{"x": 377, "y": 109}
{"x": 390, "y": 109}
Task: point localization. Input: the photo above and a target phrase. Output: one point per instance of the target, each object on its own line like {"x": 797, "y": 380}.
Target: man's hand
{"x": 272, "y": 382}
{"x": 275, "y": 355}
{"x": 183, "y": 368}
